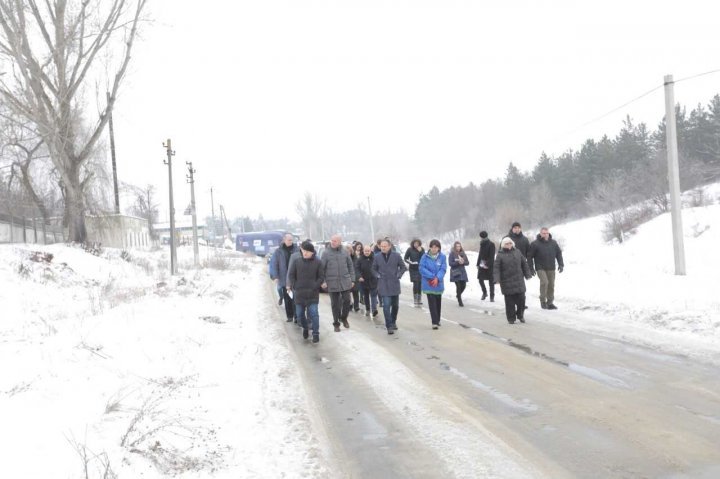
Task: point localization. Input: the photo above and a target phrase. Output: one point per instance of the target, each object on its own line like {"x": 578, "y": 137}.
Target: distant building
{"x": 183, "y": 232}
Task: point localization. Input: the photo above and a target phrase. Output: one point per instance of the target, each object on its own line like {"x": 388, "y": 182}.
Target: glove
{"x": 560, "y": 269}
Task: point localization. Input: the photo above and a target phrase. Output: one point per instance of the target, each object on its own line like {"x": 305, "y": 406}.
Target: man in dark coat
{"x": 511, "y": 270}
{"x": 304, "y": 279}
{"x": 485, "y": 263}
{"x": 543, "y": 254}
{"x": 368, "y": 279}
{"x": 389, "y": 268}
{"x": 339, "y": 274}
{"x": 522, "y": 244}
{"x": 279, "y": 263}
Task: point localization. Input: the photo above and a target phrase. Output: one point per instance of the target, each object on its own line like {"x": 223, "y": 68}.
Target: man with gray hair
{"x": 339, "y": 274}
{"x": 279, "y": 265}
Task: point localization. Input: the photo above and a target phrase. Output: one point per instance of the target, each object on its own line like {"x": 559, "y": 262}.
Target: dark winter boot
{"x": 375, "y": 313}
{"x": 337, "y": 327}
{"x": 484, "y": 296}
{"x": 316, "y": 338}
{"x": 460, "y": 303}
{"x": 492, "y": 299}
{"x": 551, "y": 306}
{"x": 345, "y": 323}
{"x": 290, "y": 319}
{"x": 367, "y": 312}
{"x": 305, "y": 333}
{"x": 543, "y": 305}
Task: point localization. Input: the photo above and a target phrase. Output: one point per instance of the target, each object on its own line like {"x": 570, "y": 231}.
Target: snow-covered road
{"x": 482, "y": 398}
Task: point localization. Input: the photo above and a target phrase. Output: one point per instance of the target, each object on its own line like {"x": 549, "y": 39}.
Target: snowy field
{"x": 112, "y": 366}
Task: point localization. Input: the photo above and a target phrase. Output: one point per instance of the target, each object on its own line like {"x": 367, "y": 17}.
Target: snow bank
{"x": 109, "y": 361}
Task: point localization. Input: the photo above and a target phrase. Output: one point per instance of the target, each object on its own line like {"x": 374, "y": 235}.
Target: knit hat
{"x": 483, "y": 234}
{"x": 307, "y": 246}
{"x": 516, "y": 224}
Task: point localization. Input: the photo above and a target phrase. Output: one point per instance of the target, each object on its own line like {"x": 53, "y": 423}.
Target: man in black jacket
{"x": 522, "y": 244}
{"x": 544, "y": 251}
{"x": 304, "y": 278}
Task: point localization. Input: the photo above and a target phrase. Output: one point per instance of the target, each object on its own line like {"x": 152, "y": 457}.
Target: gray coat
{"x": 338, "y": 270}
{"x": 511, "y": 270}
{"x": 389, "y": 271}
{"x": 457, "y": 270}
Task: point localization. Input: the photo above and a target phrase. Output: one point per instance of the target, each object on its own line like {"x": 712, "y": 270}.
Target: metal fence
{"x": 18, "y": 229}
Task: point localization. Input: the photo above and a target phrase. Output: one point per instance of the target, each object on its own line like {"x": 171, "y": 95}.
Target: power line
{"x": 698, "y": 75}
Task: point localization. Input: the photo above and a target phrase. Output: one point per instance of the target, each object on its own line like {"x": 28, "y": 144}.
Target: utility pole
{"x": 191, "y": 179}
{"x": 674, "y": 176}
{"x": 212, "y": 206}
{"x": 372, "y": 227}
{"x": 173, "y": 252}
{"x": 112, "y": 155}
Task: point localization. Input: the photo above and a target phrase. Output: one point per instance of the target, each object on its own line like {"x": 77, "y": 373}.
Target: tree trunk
{"x": 75, "y": 207}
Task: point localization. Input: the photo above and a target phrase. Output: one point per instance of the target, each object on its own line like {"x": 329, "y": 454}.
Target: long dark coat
{"x": 304, "y": 278}
{"x": 412, "y": 258}
{"x": 364, "y": 265}
{"x": 511, "y": 270}
{"x": 457, "y": 270}
{"x": 389, "y": 269}
{"x": 487, "y": 254}
{"x": 543, "y": 254}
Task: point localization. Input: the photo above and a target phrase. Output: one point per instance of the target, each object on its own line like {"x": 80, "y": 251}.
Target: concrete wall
{"x": 118, "y": 231}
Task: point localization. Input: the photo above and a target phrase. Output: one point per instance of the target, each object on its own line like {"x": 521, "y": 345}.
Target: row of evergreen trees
{"x": 601, "y": 176}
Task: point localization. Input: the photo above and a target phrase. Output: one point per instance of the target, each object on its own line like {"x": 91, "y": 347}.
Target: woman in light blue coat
{"x": 433, "y": 266}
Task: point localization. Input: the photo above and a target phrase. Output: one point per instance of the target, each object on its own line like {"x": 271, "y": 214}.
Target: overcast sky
{"x": 385, "y": 99}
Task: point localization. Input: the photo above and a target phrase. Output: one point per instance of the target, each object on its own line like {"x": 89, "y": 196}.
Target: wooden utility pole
{"x": 112, "y": 155}
{"x": 674, "y": 176}
{"x": 173, "y": 251}
{"x": 191, "y": 179}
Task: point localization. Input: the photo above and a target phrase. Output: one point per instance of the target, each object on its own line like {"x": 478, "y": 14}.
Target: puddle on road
{"x": 712, "y": 419}
{"x": 524, "y": 406}
{"x": 588, "y": 372}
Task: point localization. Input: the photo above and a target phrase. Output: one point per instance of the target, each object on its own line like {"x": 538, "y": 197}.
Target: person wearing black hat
{"x": 304, "y": 278}
{"x": 485, "y": 262}
{"x": 522, "y": 244}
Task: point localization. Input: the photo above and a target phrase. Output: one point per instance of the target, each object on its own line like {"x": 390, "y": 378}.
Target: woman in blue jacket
{"x": 433, "y": 265}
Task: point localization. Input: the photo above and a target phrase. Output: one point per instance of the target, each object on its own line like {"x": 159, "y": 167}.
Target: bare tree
{"x": 51, "y": 49}
{"x": 308, "y": 208}
{"x": 144, "y": 205}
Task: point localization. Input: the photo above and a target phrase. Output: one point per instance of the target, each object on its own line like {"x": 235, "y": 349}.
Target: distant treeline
{"x": 602, "y": 176}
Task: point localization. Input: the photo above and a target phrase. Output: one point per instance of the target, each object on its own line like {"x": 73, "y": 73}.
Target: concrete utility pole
{"x": 191, "y": 179}
{"x": 212, "y": 208}
{"x": 372, "y": 227}
{"x": 112, "y": 155}
{"x": 173, "y": 251}
{"x": 674, "y": 176}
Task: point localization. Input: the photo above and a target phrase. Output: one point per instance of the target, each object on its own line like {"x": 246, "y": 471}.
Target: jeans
{"x": 312, "y": 313}
{"x": 370, "y": 297}
{"x": 391, "y": 304}
{"x": 434, "y": 305}
{"x": 340, "y": 305}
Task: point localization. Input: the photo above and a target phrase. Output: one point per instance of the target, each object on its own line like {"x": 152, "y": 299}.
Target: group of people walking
{"x": 370, "y": 275}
